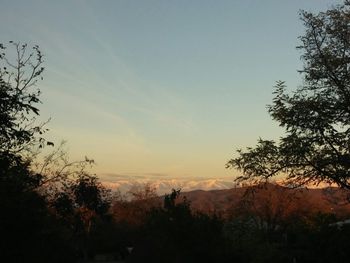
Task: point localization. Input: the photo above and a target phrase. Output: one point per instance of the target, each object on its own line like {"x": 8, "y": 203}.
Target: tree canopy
{"x": 316, "y": 116}
{"x": 19, "y": 97}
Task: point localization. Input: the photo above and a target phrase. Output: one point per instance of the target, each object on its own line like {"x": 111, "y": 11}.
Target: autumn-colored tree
{"x": 133, "y": 208}
{"x": 79, "y": 204}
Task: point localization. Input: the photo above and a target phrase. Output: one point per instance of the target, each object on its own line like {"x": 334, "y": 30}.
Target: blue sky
{"x": 162, "y": 87}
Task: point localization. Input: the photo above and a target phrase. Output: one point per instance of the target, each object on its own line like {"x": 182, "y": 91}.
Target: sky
{"x": 160, "y": 88}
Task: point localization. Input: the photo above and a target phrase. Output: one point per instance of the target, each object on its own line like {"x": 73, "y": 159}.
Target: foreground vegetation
{"x": 268, "y": 223}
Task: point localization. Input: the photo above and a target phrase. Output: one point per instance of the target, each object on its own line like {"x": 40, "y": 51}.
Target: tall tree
{"x": 29, "y": 229}
{"x": 29, "y": 232}
{"x": 316, "y": 116}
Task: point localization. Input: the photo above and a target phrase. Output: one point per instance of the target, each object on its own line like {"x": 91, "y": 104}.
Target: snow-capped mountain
{"x": 164, "y": 185}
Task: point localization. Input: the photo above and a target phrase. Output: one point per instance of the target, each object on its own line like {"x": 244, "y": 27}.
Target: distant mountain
{"x": 164, "y": 185}
{"x": 222, "y": 194}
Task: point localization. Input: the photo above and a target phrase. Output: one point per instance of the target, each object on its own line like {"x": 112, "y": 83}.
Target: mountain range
{"x": 223, "y": 194}
{"x": 165, "y": 185}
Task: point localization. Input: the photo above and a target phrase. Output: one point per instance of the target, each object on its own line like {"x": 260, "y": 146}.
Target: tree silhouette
{"x": 19, "y": 98}
{"x": 30, "y": 231}
{"x": 174, "y": 233}
{"x": 80, "y": 204}
{"x": 316, "y": 116}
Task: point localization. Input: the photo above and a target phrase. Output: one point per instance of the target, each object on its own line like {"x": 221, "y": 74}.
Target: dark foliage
{"x": 19, "y": 98}
{"x": 176, "y": 234}
{"x": 315, "y": 147}
{"x": 30, "y": 229}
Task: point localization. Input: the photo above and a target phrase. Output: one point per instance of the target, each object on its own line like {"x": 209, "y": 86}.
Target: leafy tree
{"x": 19, "y": 98}
{"x": 17, "y": 123}
{"x": 80, "y": 204}
{"x": 29, "y": 230}
{"x": 316, "y": 116}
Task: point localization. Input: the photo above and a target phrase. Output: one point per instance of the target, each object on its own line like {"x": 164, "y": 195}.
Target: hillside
{"x": 326, "y": 200}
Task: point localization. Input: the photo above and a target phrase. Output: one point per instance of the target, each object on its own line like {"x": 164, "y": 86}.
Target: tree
{"x": 133, "y": 212}
{"x": 174, "y": 233}
{"x": 80, "y": 204}
{"x": 271, "y": 207}
{"x": 316, "y": 116}
{"x": 19, "y": 97}
{"x": 17, "y": 106}
{"x": 29, "y": 229}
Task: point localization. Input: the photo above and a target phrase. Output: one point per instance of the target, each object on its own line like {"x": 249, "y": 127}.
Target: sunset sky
{"x": 160, "y": 88}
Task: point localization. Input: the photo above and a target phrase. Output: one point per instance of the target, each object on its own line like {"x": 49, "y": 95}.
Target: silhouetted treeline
{"x": 268, "y": 224}
{"x": 80, "y": 219}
